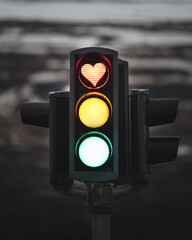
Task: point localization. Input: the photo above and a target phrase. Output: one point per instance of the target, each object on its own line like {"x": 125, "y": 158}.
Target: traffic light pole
{"x": 101, "y": 197}
{"x": 101, "y": 226}
{"x": 100, "y": 202}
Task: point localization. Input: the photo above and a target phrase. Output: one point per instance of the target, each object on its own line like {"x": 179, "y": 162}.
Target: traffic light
{"x": 93, "y": 114}
{"x": 100, "y": 131}
{"x": 145, "y": 150}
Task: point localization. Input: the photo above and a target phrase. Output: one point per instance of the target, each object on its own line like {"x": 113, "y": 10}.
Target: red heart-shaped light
{"x": 93, "y": 73}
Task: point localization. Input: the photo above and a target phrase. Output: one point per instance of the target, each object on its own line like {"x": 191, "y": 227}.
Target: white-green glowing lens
{"x": 94, "y": 151}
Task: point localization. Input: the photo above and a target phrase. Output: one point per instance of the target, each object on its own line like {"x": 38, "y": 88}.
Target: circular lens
{"x": 94, "y": 149}
{"x": 93, "y": 70}
{"x": 93, "y": 109}
{"x": 93, "y": 112}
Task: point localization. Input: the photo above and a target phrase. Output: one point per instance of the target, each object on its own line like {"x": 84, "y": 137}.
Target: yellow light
{"x": 93, "y": 109}
{"x": 93, "y": 112}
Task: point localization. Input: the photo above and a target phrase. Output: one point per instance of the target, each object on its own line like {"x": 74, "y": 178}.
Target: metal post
{"x": 101, "y": 226}
{"x": 100, "y": 201}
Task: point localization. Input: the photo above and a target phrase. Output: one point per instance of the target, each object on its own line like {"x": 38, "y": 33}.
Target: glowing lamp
{"x": 94, "y": 109}
{"x": 94, "y": 149}
{"x": 93, "y": 70}
{"x": 93, "y": 73}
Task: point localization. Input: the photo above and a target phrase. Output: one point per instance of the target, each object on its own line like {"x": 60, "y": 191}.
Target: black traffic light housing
{"x": 81, "y": 87}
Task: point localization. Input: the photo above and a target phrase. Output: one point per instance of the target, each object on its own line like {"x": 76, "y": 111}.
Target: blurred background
{"x": 36, "y": 37}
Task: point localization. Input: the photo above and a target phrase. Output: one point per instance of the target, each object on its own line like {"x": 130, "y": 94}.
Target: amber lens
{"x": 94, "y": 111}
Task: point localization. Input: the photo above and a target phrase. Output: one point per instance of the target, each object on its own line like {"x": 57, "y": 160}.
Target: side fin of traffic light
{"x": 159, "y": 112}
{"x": 145, "y": 150}
{"x": 138, "y": 135}
{"x": 162, "y": 149}
{"x": 123, "y": 123}
{"x": 35, "y": 113}
{"x": 55, "y": 116}
{"x": 59, "y": 139}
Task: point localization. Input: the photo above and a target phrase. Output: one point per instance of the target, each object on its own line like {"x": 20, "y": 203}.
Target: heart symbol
{"x": 93, "y": 73}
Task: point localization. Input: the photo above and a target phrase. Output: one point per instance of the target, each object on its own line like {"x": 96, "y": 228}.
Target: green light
{"x": 94, "y": 149}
